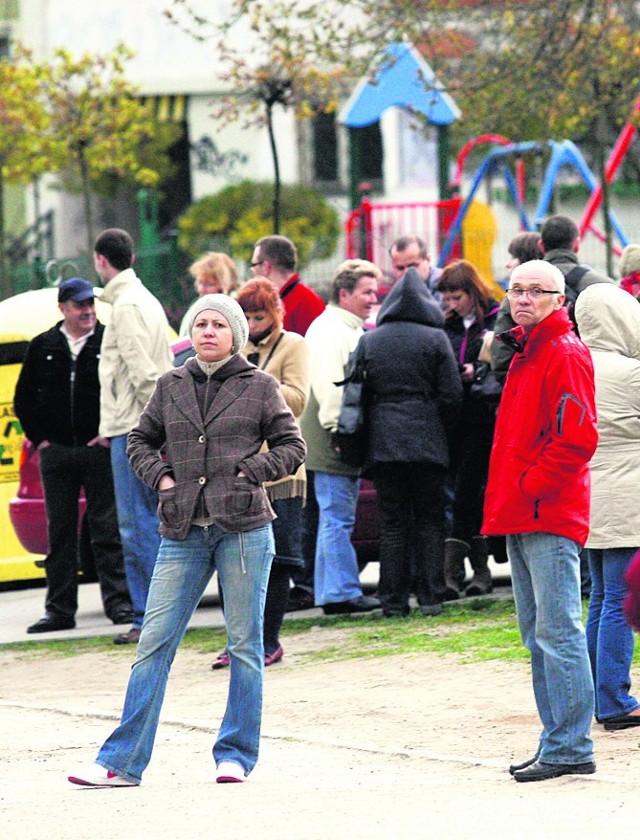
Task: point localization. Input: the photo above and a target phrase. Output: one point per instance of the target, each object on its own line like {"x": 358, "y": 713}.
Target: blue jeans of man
{"x": 182, "y": 572}
{"x": 609, "y": 637}
{"x": 545, "y": 572}
{"x": 137, "y": 505}
{"x": 336, "y": 569}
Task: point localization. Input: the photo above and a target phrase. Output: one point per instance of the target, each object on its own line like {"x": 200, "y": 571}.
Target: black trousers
{"x": 65, "y": 470}
{"x": 410, "y": 500}
{"x": 470, "y": 452}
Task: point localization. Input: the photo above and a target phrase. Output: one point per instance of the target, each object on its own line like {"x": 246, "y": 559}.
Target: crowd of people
{"x": 490, "y": 428}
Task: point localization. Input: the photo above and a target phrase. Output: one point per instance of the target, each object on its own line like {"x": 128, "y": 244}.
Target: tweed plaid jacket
{"x": 205, "y": 454}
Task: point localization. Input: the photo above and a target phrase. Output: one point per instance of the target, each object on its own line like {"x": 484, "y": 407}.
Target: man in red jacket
{"x": 275, "y": 257}
{"x": 538, "y": 495}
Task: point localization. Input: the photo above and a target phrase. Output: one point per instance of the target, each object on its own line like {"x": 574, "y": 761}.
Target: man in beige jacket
{"x": 135, "y": 352}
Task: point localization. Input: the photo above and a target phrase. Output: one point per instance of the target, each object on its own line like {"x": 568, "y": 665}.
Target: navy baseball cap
{"x": 75, "y": 289}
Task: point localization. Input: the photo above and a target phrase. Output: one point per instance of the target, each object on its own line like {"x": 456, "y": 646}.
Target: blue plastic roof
{"x": 407, "y": 82}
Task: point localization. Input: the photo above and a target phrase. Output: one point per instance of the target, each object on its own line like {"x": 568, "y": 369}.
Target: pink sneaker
{"x": 94, "y": 775}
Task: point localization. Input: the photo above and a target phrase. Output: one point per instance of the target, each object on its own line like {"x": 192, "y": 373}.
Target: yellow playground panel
{"x": 479, "y": 233}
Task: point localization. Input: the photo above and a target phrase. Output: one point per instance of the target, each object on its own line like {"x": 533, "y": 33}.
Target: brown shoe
{"x": 130, "y": 638}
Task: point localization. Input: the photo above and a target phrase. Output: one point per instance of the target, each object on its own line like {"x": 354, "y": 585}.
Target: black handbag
{"x": 351, "y": 435}
{"x": 484, "y": 385}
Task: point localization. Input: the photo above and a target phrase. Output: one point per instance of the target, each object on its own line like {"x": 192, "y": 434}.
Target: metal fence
{"x": 162, "y": 269}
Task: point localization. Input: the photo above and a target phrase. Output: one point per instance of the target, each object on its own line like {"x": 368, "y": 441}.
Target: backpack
{"x": 572, "y": 281}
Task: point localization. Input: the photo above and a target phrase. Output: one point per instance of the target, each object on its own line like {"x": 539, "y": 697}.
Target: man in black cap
{"x": 57, "y": 401}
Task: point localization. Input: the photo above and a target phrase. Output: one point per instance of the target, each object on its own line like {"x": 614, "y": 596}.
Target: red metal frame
{"x": 381, "y": 224}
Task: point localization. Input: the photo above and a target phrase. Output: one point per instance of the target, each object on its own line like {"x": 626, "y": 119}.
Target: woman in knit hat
{"x": 285, "y": 356}
{"x": 210, "y": 418}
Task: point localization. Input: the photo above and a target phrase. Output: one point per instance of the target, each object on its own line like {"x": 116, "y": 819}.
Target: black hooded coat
{"x": 413, "y": 387}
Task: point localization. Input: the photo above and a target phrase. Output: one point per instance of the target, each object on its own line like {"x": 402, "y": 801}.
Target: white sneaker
{"x": 229, "y": 771}
{"x": 94, "y": 775}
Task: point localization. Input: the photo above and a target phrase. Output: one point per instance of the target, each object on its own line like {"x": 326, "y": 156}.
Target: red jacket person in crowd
{"x": 538, "y": 494}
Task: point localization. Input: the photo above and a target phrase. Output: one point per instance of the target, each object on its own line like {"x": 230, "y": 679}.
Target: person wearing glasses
{"x": 276, "y": 257}
{"x": 538, "y": 494}
{"x": 559, "y": 244}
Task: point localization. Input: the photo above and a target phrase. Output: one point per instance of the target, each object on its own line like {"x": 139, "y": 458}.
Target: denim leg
{"x": 609, "y": 636}
{"x": 243, "y": 562}
{"x": 138, "y": 522}
{"x": 336, "y": 572}
{"x": 180, "y": 577}
{"x": 545, "y": 571}
{"x": 593, "y": 617}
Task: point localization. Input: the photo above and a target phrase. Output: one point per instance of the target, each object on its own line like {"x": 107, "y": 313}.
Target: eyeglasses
{"x": 259, "y": 262}
{"x": 534, "y": 294}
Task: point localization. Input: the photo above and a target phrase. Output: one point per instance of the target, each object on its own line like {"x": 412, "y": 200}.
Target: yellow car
{"x": 21, "y": 318}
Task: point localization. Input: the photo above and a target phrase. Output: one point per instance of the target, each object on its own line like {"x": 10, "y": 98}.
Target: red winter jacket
{"x": 545, "y": 436}
{"x": 301, "y": 305}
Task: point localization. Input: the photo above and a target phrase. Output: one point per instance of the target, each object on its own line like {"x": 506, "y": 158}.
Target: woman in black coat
{"x": 471, "y": 313}
{"x": 412, "y": 392}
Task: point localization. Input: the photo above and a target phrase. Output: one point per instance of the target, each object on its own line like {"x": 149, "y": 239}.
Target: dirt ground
{"x": 405, "y": 746}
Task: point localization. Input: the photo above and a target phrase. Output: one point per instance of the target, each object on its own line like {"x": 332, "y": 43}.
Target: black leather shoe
{"x": 123, "y": 616}
{"x": 621, "y": 722}
{"x": 130, "y": 638}
{"x": 300, "y": 599}
{"x": 513, "y": 768}
{"x": 52, "y": 622}
{"x": 357, "y": 605}
{"x": 539, "y": 771}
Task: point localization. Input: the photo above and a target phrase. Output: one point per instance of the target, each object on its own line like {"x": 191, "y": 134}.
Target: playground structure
{"x": 449, "y": 227}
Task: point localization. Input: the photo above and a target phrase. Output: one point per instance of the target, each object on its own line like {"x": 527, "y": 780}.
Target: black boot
{"x": 481, "y": 582}
{"x": 454, "y": 553}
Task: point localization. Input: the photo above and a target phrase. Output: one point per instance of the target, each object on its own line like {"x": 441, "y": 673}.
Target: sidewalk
{"x": 21, "y": 607}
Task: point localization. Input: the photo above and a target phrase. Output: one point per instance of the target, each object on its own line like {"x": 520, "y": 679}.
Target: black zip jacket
{"x": 57, "y": 398}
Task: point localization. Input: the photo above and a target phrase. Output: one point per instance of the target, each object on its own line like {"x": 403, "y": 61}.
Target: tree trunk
{"x": 86, "y": 195}
{"x": 6, "y": 288}
{"x": 276, "y": 171}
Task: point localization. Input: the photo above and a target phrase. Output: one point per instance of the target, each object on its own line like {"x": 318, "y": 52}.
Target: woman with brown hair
{"x": 285, "y": 356}
{"x": 214, "y": 273}
{"x": 471, "y": 313}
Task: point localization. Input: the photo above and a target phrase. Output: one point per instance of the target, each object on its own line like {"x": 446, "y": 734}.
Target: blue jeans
{"x": 545, "y": 572}
{"x": 336, "y": 569}
{"x": 609, "y": 637}
{"x": 138, "y": 523}
{"x": 182, "y": 572}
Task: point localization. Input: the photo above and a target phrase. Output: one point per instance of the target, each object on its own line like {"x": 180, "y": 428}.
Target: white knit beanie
{"x": 629, "y": 260}
{"x": 231, "y": 310}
